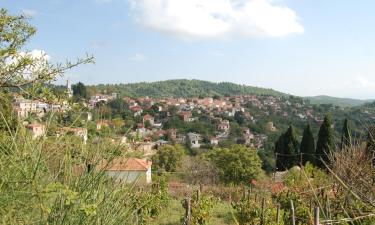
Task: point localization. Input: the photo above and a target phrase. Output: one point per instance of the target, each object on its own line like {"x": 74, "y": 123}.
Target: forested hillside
{"x": 185, "y": 88}
{"x": 343, "y": 102}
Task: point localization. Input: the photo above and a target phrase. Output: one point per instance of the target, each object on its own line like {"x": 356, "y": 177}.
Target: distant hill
{"x": 185, "y": 88}
{"x": 196, "y": 88}
{"x": 343, "y": 102}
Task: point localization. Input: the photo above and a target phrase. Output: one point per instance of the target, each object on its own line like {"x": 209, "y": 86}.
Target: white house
{"x": 128, "y": 170}
{"x": 24, "y": 106}
{"x": 194, "y": 139}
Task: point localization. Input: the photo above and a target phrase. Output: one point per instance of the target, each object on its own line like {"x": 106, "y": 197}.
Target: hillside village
{"x": 154, "y": 120}
{"x": 144, "y": 124}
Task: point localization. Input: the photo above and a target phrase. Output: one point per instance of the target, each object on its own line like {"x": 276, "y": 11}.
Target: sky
{"x": 300, "y": 47}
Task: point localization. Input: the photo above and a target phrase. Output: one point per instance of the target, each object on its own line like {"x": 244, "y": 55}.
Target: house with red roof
{"x": 37, "y": 130}
{"x": 128, "y": 170}
{"x": 148, "y": 118}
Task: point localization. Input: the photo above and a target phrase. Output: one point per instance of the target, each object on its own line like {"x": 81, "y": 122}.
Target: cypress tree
{"x": 370, "y": 142}
{"x": 325, "y": 144}
{"x": 286, "y": 150}
{"x": 346, "y": 139}
{"x": 308, "y": 146}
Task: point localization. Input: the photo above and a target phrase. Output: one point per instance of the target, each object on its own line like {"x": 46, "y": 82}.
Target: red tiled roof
{"x": 136, "y": 108}
{"x": 124, "y": 164}
{"x": 147, "y": 117}
{"x": 33, "y": 125}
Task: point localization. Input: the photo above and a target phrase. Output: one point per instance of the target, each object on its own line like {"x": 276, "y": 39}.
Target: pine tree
{"x": 308, "y": 146}
{"x": 346, "y": 138}
{"x": 325, "y": 144}
{"x": 286, "y": 150}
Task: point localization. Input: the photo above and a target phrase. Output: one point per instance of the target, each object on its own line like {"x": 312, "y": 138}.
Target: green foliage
{"x": 370, "y": 140}
{"x": 79, "y": 91}
{"x": 286, "y": 150}
{"x": 8, "y": 119}
{"x": 236, "y": 164}
{"x": 346, "y": 137}
{"x": 168, "y": 158}
{"x": 250, "y": 212}
{"x": 201, "y": 208}
{"x": 302, "y": 210}
{"x": 118, "y": 107}
{"x": 239, "y": 117}
{"x": 308, "y": 146}
{"x": 40, "y": 185}
{"x": 325, "y": 145}
{"x": 342, "y": 102}
{"x": 186, "y": 88}
{"x": 149, "y": 204}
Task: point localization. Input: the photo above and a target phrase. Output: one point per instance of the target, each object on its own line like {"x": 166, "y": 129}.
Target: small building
{"x": 185, "y": 116}
{"x": 37, "y": 130}
{"x": 271, "y": 127}
{"x": 128, "y": 170}
{"x": 194, "y": 139}
{"x": 137, "y": 110}
{"x": 172, "y": 134}
{"x": 77, "y": 131}
{"x": 224, "y": 126}
{"x": 214, "y": 141}
{"x": 148, "y": 118}
{"x": 23, "y": 107}
{"x": 102, "y": 123}
{"x": 247, "y": 136}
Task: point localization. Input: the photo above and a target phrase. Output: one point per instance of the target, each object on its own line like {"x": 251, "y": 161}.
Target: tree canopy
{"x": 286, "y": 150}
{"x": 346, "y": 137}
{"x": 325, "y": 143}
{"x": 236, "y": 164}
{"x": 168, "y": 158}
{"x": 307, "y": 148}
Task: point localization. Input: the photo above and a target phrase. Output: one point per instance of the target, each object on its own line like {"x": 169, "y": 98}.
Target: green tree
{"x": 325, "y": 144}
{"x": 286, "y": 150}
{"x": 118, "y": 124}
{"x": 307, "y": 148}
{"x": 346, "y": 138}
{"x": 370, "y": 141}
{"x": 168, "y": 158}
{"x": 8, "y": 119}
{"x": 237, "y": 164}
{"x": 79, "y": 91}
{"x": 239, "y": 117}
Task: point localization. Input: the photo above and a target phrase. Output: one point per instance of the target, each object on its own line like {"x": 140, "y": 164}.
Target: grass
{"x": 221, "y": 214}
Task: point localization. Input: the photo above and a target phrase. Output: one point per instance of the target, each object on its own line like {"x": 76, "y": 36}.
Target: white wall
{"x": 140, "y": 177}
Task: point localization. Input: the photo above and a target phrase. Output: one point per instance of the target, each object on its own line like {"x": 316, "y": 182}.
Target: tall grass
{"x": 51, "y": 181}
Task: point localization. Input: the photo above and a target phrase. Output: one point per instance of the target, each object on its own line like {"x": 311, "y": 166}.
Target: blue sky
{"x": 296, "y": 46}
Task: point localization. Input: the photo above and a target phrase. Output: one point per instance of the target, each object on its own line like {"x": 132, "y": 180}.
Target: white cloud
{"x": 38, "y": 54}
{"x": 217, "y": 18}
{"x": 138, "y": 57}
{"x": 39, "y": 61}
{"x": 29, "y": 12}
